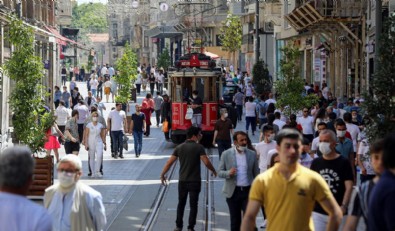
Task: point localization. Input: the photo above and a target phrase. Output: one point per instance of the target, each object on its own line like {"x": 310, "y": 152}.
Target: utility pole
{"x": 257, "y": 31}
{"x": 378, "y": 30}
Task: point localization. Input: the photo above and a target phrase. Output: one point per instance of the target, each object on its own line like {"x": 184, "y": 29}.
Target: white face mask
{"x": 324, "y": 148}
{"x": 66, "y": 179}
{"x": 340, "y": 134}
{"x": 94, "y": 119}
{"x": 241, "y": 148}
{"x": 226, "y": 115}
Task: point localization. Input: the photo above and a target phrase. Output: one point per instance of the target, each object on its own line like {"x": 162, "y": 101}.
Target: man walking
{"x": 116, "y": 122}
{"x": 16, "y": 175}
{"x": 138, "y": 127}
{"x": 66, "y": 97}
{"x": 189, "y": 154}
{"x": 72, "y": 204}
{"x": 238, "y": 99}
{"x": 337, "y": 172}
{"x": 239, "y": 167}
{"x": 83, "y": 113}
{"x": 307, "y": 123}
{"x": 223, "y": 128}
{"x": 289, "y": 190}
{"x": 158, "y": 100}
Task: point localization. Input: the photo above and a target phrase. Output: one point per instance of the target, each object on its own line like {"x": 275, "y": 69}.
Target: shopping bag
{"x": 165, "y": 126}
{"x": 125, "y": 142}
{"x": 189, "y": 114}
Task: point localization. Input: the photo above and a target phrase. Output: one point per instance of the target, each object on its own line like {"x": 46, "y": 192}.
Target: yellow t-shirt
{"x": 289, "y": 203}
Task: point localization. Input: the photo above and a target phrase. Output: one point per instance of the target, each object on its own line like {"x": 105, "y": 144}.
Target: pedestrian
{"x": 289, "y": 190}
{"x": 305, "y": 158}
{"x": 93, "y": 83}
{"x": 61, "y": 116}
{"x": 382, "y": 199}
{"x": 129, "y": 113}
{"x": 72, "y": 204}
{"x": 337, "y": 172}
{"x": 239, "y": 167}
{"x": 107, "y": 89}
{"x": 314, "y": 145}
{"x": 57, "y": 96}
{"x": 158, "y": 100}
{"x": 137, "y": 128}
{"x": 82, "y": 73}
{"x": 71, "y": 73}
{"x": 151, "y": 79}
{"x": 66, "y": 97}
{"x": 196, "y": 104}
{"x": 90, "y": 100}
{"x": 114, "y": 88}
{"x": 83, "y": 112}
{"x": 100, "y": 87}
{"x": 75, "y": 97}
{"x": 190, "y": 153}
{"x": 223, "y": 129}
{"x": 63, "y": 74}
{"x": 77, "y": 73}
{"x": 16, "y": 176}
{"x": 72, "y": 84}
{"x": 52, "y": 142}
{"x": 307, "y": 123}
{"x": 364, "y": 191}
{"x": 352, "y": 129}
{"x": 111, "y": 71}
{"x": 104, "y": 72}
{"x": 95, "y": 142}
{"x": 261, "y": 109}
{"x": 100, "y": 105}
{"x": 238, "y": 99}
{"x": 270, "y": 120}
{"x": 166, "y": 115}
{"x": 72, "y": 140}
{"x": 116, "y": 123}
{"x": 268, "y": 143}
{"x": 146, "y": 110}
{"x": 344, "y": 145}
{"x": 278, "y": 121}
{"x": 138, "y": 82}
{"x": 250, "y": 106}
{"x": 160, "y": 79}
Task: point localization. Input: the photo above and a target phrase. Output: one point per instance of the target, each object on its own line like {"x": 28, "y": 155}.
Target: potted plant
{"x": 127, "y": 67}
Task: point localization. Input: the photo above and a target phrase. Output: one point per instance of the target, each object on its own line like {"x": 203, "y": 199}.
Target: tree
{"x": 90, "y": 17}
{"x": 290, "y": 87}
{"x": 379, "y": 105}
{"x": 30, "y": 119}
{"x": 91, "y": 62}
{"x": 127, "y": 67}
{"x": 261, "y": 78}
{"x": 231, "y": 34}
{"x": 164, "y": 59}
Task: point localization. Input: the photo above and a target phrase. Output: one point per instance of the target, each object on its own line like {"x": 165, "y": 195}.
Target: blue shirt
{"x": 381, "y": 215}
{"x": 345, "y": 148}
{"x": 58, "y": 95}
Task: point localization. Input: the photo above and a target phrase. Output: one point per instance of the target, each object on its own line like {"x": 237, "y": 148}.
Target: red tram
{"x": 194, "y": 71}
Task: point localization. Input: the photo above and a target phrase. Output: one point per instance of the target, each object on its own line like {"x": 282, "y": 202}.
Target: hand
{"x": 74, "y": 140}
{"x": 163, "y": 180}
{"x": 232, "y": 171}
{"x": 105, "y": 147}
{"x": 214, "y": 174}
{"x": 86, "y": 147}
{"x": 344, "y": 209}
{"x": 363, "y": 171}
{"x": 213, "y": 142}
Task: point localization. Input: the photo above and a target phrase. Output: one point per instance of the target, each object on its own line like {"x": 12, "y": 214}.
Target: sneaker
{"x": 101, "y": 172}
{"x": 90, "y": 174}
{"x": 191, "y": 230}
{"x": 98, "y": 175}
{"x": 177, "y": 229}
{"x": 112, "y": 155}
{"x": 121, "y": 156}
{"x": 263, "y": 225}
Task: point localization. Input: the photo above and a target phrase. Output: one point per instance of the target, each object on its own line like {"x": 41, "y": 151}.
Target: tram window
{"x": 178, "y": 93}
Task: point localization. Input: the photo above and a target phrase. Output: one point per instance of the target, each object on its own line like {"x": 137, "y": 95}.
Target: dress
{"x": 52, "y": 142}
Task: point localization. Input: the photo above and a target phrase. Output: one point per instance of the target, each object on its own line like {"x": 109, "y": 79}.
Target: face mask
{"x": 242, "y": 148}
{"x": 340, "y": 134}
{"x": 66, "y": 179}
{"x": 94, "y": 119}
{"x": 270, "y": 138}
{"x": 226, "y": 115}
{"x": 324, "y": 148}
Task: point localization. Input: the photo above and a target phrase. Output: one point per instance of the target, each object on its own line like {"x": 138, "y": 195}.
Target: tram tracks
{"x": 208, "y": 195}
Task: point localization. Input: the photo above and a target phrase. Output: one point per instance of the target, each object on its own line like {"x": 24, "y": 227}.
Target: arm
{"x": 208, "y": 164}
{"x": 215, "y": 136}
{"x": 252, "y": 210}
{"x": 223, "y": 171}
{"x": 347, "y": 195}
{"x": 330, "y": 206}
{"x": 166, "y": 168}
{"x": 99, "y": 214}
{"x": 109, "y": 125}
{"x": 131, "y": 126}
{"x": 86, "y": 135}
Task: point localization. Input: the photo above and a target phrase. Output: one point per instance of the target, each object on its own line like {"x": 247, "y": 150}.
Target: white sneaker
{"x": 264, "y": 223}
{"x": 98, "y": 175}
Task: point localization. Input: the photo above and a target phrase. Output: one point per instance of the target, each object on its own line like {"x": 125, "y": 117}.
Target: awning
{"x": 60, "y": 39}
{"x": 212, "y": 55}
{"x": 163, "y": 32}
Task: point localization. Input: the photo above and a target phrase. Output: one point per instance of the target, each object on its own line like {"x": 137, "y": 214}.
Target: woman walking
{"x": 52, "y": 141}
{"x": 94, "y": 144}
{"x": 250, "y": 115}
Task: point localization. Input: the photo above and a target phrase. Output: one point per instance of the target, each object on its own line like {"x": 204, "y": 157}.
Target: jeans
{"x": 261, "y": 122}
{"x": 239, "y": 109}
{"x": 67, "y": 103}
{"x": 159, "y": 87}
{"x": 152, "y": 88}
{"x": 157, "y": 115}
{"x": 64, "y": 80}
{"x": 197, "y": 120}
{"x": 138, "y": 142}
{"x": 320, "y": 221}
{"x": 193, "y": 189}
{"x": 237, "y": 204}
{"x": 80, "y": 131}
{"x": 223, "y": 145}
{"x": 117, "y": 140}
{"x": 94, "y": 91}
{"x": 100, "y": 92}
{"x": 252, "y": 121}
{"x": 366, "y": 178}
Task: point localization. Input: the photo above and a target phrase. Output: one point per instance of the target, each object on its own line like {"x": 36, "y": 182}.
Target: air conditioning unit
{"x": 268, "y": 27}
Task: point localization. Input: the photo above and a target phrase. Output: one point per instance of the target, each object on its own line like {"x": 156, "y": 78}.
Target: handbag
{"x": 165, "y": 126}
{"x": 189, "y": 114}
{"x": 125, "y": 143}
{"x": 54, "y": 132}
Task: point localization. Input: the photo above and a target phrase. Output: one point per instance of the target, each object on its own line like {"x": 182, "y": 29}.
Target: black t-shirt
{"x": 138, "y": 122}
{"x": 189, "y": 154}
{"x": 335, "y": 173}
{"x": 197, "y": 101}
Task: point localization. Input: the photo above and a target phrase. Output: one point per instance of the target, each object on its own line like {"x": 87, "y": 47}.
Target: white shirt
{"x": 363, "y": 151}
{"x": 307, "y": 124}
{"x": 94, "y": 83}
{"x": 117, "y": 118}
{"x": 279, "y": 123}
{"x": 315, "y": 143}
{"x": 269, "y": 101}
{"x": 160, "y": 78}
{"x": 262, "y": 150}
{"x": 354, "y": 132}
{"x": 250, "y": 109}
{"x": 60, "y": 209}
{"x": 325, "y": 92}
{"x": 107, "y": 84}
{"x": 241, "y": 176}
{"x": 104, "y": 71}
{"x": 248, "y": 90}
{"x": 306, "y": 159}
{"x": 138, "y": 79}
{"x": 62, "y": 114}
{"x": 94, "y": 133}
{"x": 83, "y": 112}
{"x": 19, "y": 213}
{"x": 129, "y": 109}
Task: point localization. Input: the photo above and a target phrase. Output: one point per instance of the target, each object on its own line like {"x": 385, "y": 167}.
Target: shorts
{"x": 71, "y": 147}
{"x": 107, "y": 90}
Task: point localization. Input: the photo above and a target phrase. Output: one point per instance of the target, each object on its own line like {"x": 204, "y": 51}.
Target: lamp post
{"x": 257, "y": 31}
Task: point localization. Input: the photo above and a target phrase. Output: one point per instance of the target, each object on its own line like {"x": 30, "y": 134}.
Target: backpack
{"x": 262, "y": 109}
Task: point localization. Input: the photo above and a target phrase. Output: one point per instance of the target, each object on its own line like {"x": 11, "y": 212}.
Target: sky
{"x": 86, "y": 1}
